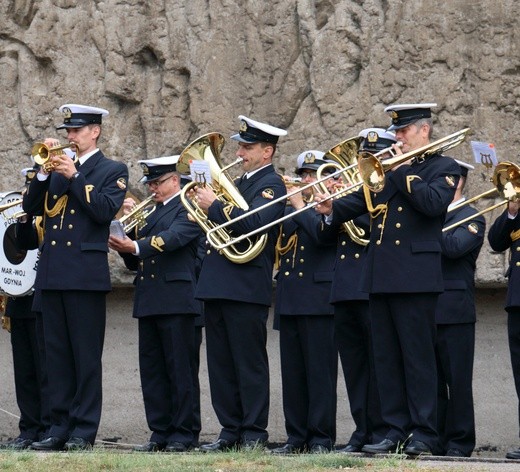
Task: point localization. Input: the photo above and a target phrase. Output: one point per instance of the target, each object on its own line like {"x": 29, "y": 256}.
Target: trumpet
{"x": 17, "y": 214}
{"x": 42, "y": 153}
{"x": 506, "y": 179}
{"x": 137, "y": 217}
{"x": 372, "y": 175}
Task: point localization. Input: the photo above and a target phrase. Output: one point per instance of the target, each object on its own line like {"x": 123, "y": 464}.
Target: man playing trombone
{"x": 504, "y": 234}
{"x": 237, "y": 296}
{"x": 403, "y": 277}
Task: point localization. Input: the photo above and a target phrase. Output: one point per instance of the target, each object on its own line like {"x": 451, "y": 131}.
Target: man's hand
{"x": 324, "y": 206}
{"x": 121, "y": 245}
{"x": 204, "y": 197}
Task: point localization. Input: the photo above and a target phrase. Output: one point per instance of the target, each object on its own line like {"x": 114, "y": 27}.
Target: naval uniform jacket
{"x": 166, "y": 264}
{"x": 460, "y": 249}
{"x": 305, "y": 274}
{"x": 404, "y": 254}
{"x": 75, "y": 247}
{"x": 252, "y": 281}
{"x": 505, "y": 234}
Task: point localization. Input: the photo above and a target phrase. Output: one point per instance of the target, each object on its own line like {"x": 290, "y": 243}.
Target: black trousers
{"x": 403, "y": 335}
{"x": 29, "y": 376}
{"x": 309, "y": 364}
{"x": 195, "y": 366}
{"x": 165, "y": 349}
{"x": 353, "y": 340}
{"x": 236, "y": 337}
{"x": 74, "y": 332}
{"x": 513, "y": 332}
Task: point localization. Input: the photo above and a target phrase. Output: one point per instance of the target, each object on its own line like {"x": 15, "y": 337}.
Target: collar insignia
{"x": 515, "y": 235}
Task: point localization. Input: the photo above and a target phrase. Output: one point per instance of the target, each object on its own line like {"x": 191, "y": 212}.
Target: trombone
{"x": 372, "y": 175}
{"x": 41, "y": 153}
{"x": 506, "y": 179}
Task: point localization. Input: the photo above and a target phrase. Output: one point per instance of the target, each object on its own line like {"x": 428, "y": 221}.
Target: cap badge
{"x": 394, "y": 115}
{"x": 372, "y": 137}
{"x": 473, "y": 228}
{"x": 450, "y": 180}
{"x": 268, "y": 194}
{"x": 309, "y": 158}
{"x": 121, "y": 183}
{"x": 243, "y": 126}
{"x": 67, "y": 113}
{"x": 146, "y": 171}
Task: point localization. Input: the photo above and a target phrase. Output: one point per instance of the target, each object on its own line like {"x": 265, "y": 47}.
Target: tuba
{"x": 208, "y": 148}
{"x": 342, "y": 157}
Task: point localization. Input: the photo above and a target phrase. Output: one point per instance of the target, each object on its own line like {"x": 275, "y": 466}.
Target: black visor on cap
{"x": 78, "y": 120}
{"x": 403, "y": 118}
{"x": 255, "y": 135}
{"x": 376, "y": 146}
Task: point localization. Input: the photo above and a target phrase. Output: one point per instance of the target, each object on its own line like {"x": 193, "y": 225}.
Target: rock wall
{"x": 169, "y": 71}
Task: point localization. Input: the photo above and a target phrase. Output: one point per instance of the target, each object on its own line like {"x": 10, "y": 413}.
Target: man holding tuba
{"x": 78, "y": 202}
{"x": 237, "y": 296}
{"x": 403, "y": 277}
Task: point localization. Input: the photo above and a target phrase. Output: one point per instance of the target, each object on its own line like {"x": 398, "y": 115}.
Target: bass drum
{"x": 17, "y": 267}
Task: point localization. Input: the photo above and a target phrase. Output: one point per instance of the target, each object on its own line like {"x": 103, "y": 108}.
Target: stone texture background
{"x": 169, "y": 71}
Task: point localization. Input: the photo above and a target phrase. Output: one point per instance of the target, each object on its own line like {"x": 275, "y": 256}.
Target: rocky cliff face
{"x": 169, "y": 71}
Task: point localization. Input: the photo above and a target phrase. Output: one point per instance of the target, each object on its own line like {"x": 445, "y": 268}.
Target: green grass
{"x": 113, "y": 460}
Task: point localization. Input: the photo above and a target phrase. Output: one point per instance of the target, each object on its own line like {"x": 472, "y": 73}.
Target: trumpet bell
{"x": 41, "y": 153}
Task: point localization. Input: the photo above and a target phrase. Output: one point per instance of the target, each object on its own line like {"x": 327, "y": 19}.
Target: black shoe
{"x": 287, "y": 449}
{"x": 319, "y": 449}
{"x": 150, "y": 446}
{"x": 17, "y": 444}
{"x": 218, "y": 446}
{"x": 177, "y": 447}
{"x": 452, "y": 452}
{"x": 349, "y": 449}
{"x": 77, "y": 444}
{"x": 416, "y": 448}
{"x": 384, "y": 447}
{"x": 252, "y": 444}
{"x": 50, "y": 444}
{"x": 513, "y": 454}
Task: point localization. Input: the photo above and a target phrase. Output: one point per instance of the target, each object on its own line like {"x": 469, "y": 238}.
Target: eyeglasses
{"x": 158, "y": 182}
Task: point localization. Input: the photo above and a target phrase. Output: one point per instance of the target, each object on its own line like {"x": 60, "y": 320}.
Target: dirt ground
{"x": 123, "y": 421}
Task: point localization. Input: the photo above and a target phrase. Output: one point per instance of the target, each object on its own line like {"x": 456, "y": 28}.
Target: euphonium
{"x": 42, "y": 154}
{"x": 208, "y": 148}
{"x": 137, "y": 217}
{"x": 342, "y": 156}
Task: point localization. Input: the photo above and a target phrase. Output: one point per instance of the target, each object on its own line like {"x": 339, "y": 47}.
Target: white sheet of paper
{"x": 200, "y": 172}
{"x": 484, "y": 153}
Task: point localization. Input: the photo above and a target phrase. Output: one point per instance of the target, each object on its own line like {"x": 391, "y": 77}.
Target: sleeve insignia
{"x": 121, "y": 183}
{"x": 268, "y": 194}
{"x": 450, "y": 180}
{"x": 227, "y": 210}
{"x": 473, "y": 228}
{"x": 409, "y": 180}
{"x": 157, "y": 243}
{"x": 88, "y": 189}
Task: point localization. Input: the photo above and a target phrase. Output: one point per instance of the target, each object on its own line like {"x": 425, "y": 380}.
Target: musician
{"x": 403, "y": 277}
{"x": 164, "y": 254}
{"x": 73, "y": 274}
{"x": 504, "y": 234}
{"x": 455, "y": 318}
{"x": 306, "y": 322}
{"x": 28, "y": 349}
{"x": 351, "y": 317}
{"x": 237, "y": 296}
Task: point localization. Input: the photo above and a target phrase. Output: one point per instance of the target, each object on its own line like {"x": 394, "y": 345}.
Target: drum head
{"x": 17, "y": 267}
